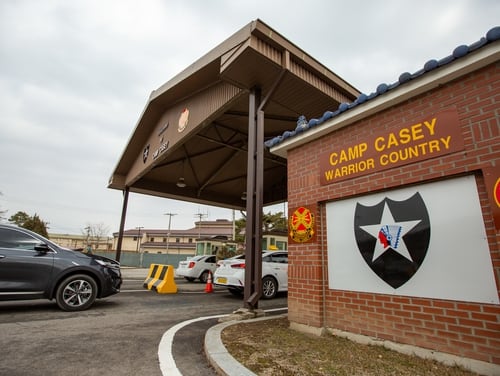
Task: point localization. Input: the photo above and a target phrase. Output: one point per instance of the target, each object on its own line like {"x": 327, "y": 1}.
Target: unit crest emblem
{"x": 301, "y": 225}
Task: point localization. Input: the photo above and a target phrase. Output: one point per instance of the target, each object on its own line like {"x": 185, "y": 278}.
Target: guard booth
{"x": 214, "y": 245}
{"x": 200, "y": 137}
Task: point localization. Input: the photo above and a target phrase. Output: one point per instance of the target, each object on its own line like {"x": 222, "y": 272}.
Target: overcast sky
{"x": 76, "y": 75}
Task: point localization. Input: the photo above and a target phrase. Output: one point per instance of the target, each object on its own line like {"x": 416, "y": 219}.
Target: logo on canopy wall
{"x": 145, "y": 154}
{"x": 301, "y": 225}
{"x": 393, "y": 237}
{"x": 183, "y": 120}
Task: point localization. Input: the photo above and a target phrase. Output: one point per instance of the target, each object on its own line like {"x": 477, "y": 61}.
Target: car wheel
{"x": 269, "y": 287}
{"x": 204, "y": 277}
{"x": 76, "y": 293}
{"x": 189, "y": 279}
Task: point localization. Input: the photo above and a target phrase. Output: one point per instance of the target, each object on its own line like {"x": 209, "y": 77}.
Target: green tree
{"x": 33, "y": 223}
{"x": 274, "y": 221}
{"x": 270, "y": 222}
{"x": 20, "y": 218}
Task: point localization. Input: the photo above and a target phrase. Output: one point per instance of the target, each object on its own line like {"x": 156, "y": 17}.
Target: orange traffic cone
{"x": 209, "y": 287}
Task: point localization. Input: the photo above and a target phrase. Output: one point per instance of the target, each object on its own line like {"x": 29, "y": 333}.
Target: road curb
{"x": 217, "y": 354}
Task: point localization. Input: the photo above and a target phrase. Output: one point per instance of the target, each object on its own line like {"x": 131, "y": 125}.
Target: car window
{"x": 210, "y": 259}
{"x": 281, "y": 258}
{"x": 10, "y": 238}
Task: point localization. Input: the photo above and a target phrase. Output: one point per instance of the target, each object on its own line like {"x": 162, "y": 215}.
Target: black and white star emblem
{"x": 393, "y": 237}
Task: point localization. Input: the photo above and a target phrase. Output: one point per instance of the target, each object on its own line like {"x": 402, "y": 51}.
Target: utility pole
{"x": 138, "y": 238}
{"x": 137, "y": 248}
{"x": 170, "y": 215}
{"x": 200, "y": 217}
{"x": 87, "y": 247}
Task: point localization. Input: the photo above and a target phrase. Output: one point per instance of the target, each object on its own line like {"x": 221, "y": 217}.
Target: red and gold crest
{"x": 183, "y": 120}
{"x": 492, "y": 180}
{"x": 301, "y": 225}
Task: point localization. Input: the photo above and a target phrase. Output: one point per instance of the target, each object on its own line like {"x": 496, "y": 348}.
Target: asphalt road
{"x": 119, "y": 335}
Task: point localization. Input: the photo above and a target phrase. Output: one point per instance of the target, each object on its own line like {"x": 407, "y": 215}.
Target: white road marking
{"x": 167, "y": 362}
{"x": 165, "y": 356}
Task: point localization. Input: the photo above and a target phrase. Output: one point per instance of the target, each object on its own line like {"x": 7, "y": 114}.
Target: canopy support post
{"x": 122, "y": 224}
{"x": 255, "y": 168}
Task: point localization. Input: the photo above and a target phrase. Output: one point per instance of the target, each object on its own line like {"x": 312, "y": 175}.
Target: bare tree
{"x": 2, "y": 212}
{"x": 95, "y": 233}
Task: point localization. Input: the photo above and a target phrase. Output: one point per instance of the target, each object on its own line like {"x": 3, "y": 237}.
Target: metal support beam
{"x": 253, "y": 251}
{"x": 255, "y": 193}
{"x": 122, "y": 224}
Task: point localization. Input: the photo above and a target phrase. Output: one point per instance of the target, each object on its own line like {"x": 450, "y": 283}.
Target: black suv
{"x": 32, "y": 267}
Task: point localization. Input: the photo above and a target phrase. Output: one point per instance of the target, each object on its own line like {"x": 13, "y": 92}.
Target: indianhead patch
{"x": 393, "y": 237}
{"x": 301, "y": 225}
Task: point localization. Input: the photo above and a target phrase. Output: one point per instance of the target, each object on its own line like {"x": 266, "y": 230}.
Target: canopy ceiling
{"x": 195, "y": 126}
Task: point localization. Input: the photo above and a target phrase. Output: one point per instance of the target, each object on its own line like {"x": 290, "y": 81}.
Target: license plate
{"x": 221, "y": 280}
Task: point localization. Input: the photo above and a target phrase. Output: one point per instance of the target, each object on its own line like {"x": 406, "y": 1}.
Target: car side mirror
{"x": 42, "y": 247}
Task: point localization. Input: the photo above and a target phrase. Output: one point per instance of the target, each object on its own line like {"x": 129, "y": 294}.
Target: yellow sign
{"x": 429, "y": 138}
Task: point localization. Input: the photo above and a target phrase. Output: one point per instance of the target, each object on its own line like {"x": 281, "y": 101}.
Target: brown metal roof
{"x": 195, "y": 126}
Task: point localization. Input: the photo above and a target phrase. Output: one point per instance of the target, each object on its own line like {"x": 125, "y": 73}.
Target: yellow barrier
{"x": 166, "y": 284}
{"x": 161, "y": 279}
{"x": 153, "y": 268}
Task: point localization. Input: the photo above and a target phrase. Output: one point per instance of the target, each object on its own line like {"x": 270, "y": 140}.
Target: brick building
{"x": 395, "y": 200}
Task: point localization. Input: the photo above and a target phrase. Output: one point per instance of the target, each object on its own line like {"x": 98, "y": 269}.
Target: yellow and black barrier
{"x": 161, "y": 279}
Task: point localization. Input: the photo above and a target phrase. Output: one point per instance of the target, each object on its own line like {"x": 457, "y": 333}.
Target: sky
{"x": 76, "y": 75}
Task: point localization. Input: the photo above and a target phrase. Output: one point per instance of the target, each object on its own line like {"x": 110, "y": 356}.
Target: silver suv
{"x": 33, "y": 267}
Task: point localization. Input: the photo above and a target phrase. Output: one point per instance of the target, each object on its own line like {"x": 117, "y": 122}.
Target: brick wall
{"x": 461, "y": 328}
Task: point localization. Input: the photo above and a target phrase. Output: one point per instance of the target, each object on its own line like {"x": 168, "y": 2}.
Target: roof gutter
{"x": 485, "y": 56}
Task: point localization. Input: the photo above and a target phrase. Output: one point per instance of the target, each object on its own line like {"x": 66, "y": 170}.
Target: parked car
{"x": 235, "y": 257}
{"x": 33, "y": 267}
{"x": 231, "y": 274}
{"x": 197, "y": 267}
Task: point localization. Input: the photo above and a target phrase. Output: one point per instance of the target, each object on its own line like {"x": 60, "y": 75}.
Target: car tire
{"x": 204, "y": 277}
{"x": 269, "y": 287}
{"x": 235, "y": 292}
{"x": 76, "y": 293}
{"x": 189, "y": 279}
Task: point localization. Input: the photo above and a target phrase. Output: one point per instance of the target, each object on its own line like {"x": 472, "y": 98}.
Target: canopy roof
{"x": 195, "y": 126}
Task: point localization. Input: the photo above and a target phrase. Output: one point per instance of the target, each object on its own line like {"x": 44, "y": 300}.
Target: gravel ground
{"x": 271, "y": 348}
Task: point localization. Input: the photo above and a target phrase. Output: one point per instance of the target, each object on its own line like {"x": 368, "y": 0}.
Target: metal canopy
{"x": 195, "y": 126}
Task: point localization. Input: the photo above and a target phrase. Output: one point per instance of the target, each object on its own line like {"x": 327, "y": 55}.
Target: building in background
{"x": 182, "y": 242}
{"x": 82, "y": 241}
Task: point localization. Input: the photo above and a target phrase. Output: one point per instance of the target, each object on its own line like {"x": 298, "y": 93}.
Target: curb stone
{"x": 218, "y": 356}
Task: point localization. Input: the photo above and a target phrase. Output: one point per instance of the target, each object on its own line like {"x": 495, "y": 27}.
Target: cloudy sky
{"x": 76, "y": 75}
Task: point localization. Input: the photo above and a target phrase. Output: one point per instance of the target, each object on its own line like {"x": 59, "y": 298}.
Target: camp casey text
{"x": 423, "y": 140}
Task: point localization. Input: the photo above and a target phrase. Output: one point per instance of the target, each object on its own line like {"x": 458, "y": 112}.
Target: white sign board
{"x": 422, "y": 241}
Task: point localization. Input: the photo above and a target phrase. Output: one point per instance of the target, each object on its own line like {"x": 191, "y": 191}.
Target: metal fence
{"x": 144, "y": 260}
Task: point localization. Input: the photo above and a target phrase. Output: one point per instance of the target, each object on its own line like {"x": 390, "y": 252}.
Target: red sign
{"x": 492, "y": 181}
{"x": 301, "y": 225}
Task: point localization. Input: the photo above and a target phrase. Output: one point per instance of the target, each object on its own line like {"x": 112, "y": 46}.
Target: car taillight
{"x": 238, "y": 266}
{"x": 191, "y": 264}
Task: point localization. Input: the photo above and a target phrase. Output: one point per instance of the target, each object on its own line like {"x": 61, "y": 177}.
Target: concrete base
{"x": 480, "y": 367}
{"x": 243, "y": 314}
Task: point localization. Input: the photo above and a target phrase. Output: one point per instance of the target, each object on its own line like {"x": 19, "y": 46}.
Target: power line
{"x": 200, "y": 217}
